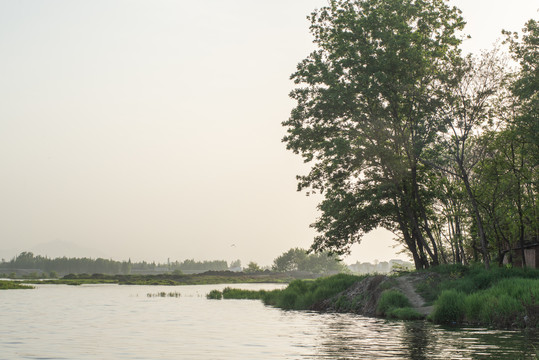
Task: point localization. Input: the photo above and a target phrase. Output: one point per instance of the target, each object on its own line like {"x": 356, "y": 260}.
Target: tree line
{"x": 65, "y": 265}
{"x": 292, "y": 260}
{"x": 405, "y": 132}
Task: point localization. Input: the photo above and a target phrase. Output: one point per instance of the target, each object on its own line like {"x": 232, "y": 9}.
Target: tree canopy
{"x": 385, "y": 88}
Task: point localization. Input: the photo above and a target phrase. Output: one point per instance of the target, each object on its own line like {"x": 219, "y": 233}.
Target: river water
{"x": 123, "y": 322}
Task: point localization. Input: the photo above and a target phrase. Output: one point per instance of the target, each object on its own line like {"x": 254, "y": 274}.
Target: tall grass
{"x": 391, "y": 299}
{"x": 507, "y": 302}
{"x": 393, "y": 304}
{"x": 449, "y": 308}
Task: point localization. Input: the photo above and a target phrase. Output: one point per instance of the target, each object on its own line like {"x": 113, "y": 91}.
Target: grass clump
{"x": 449, "y": 308}
{"x": 391, "y": 299}
{"x": 12, "y": 285}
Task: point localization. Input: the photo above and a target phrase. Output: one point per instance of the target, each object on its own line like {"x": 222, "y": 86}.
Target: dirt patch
{"x": 406, "y": 284}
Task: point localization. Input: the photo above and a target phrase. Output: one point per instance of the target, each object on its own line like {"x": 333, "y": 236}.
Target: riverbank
{"x": 449, "y": 294}
{"x": 209, "y": 277}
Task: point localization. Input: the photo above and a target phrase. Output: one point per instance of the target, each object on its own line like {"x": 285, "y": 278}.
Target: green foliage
{"x": 449, "y": 308}
{"x": 253, "y": 267}
{"x": 27, "y": 260}
{"x": 8, "y": 285}
{"x": 230, "y": 293}
{"x": 214, "y": 295}
{"x": 501, "y": 297}
{"x": 297, "y": 259}
{"x": 368, "y": 102}
{"x": 389, "y": 300}
{"x": 302, "y": 295}
{"x": 509, "y": 303}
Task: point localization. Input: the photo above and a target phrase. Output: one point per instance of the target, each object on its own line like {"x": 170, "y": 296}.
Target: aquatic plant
{"x": 164, "y": 294}
{"x": 230, "y": 293}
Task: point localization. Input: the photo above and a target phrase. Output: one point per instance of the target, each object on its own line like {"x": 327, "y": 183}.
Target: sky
{"x": 152, "y": 129}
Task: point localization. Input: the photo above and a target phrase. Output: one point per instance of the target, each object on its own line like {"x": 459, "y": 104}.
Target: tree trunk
{"x": 477, "y": 215}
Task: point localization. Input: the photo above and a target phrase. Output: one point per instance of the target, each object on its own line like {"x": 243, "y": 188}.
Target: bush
{"x": 391, "y": 299}
{"x": 449, "y": 308}
{"x": 215, "y": 295}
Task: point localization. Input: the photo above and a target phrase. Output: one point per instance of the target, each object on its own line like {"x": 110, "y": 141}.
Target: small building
{"x": 531, "y": 254}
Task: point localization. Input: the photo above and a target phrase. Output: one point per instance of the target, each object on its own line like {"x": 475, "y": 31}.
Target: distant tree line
{"x": 292, "y": 260}
{"x": 65, "y": 265}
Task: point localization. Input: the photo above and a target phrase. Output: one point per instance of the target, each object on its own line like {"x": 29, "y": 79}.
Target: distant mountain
{"x": 59, "y": 248}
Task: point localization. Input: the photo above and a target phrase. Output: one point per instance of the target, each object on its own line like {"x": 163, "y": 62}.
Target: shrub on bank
{"x": 391, "y": 299}
{"x": 449, "y": 308}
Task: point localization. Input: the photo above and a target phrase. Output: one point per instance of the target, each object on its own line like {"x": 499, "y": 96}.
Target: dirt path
{"x": 406, "y": 285}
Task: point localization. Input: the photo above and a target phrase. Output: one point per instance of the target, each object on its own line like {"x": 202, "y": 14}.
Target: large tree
{"x": 367, "y": 108}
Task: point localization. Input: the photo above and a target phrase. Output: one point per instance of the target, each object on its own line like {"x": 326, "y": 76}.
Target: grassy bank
{"x": 299, "y": 295}
{"x": 501, "y": 297}
{"x": 9, "y": 285}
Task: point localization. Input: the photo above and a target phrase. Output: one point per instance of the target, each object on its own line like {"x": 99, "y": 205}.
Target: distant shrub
{"x": 215, "y": 295}
{"x": 391, "y": 299}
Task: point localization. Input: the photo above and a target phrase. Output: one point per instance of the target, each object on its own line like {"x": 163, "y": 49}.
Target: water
{"x": 122, "y": 322}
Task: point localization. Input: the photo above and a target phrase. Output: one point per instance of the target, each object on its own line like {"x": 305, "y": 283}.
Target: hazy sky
{"x": 151, "y": 129}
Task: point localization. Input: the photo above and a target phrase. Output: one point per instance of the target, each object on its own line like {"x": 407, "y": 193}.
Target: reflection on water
{"x": 417, "y": 339}
{"x": 121, "y": 322}
{"x": 353, "y": 337}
